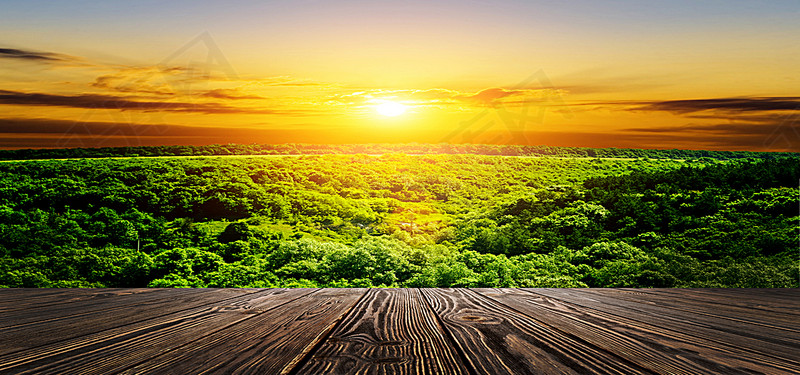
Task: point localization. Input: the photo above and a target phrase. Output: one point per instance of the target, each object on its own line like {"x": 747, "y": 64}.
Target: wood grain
{"x": 116, "y": 349}
{"x": 771, "y": 342}
{"x": 659, "y": 350}
{"x": 499, "y": 340}
{"x": 78, "y": 319}
{"x": 390, "y": 331}
{"x": 759, "y": 306}
{"x": 51, "y": 302}
{"x": 287, "y": 333}
{"x": 400, "y": 331}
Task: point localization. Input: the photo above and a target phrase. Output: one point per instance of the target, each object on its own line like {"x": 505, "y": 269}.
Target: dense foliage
{"x": 379, "y": 149}
{"x": 399, "y": 220}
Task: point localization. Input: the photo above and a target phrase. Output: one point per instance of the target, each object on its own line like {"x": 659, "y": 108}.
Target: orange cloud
{"x": 229, "y": 94}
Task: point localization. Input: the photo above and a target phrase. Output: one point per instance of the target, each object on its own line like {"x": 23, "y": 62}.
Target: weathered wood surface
{"x": 400, "y": 331}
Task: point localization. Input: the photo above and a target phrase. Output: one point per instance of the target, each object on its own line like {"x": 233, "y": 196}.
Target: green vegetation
{"x": 379, "y": 149}
{"x": 400, "y": 220}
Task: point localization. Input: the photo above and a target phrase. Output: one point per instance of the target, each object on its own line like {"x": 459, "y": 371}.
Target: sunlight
{"x": 391, "y": 109}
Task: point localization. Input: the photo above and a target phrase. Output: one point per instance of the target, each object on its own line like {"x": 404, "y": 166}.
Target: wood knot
{"x": 389, "y": 343}
{"x": 387, "y": 360}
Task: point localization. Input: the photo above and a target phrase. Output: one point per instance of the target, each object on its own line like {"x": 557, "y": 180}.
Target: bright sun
{"x": 390, "y": 109}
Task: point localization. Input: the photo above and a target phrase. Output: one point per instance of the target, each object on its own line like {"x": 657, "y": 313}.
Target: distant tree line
{"x": 377, "y": 149}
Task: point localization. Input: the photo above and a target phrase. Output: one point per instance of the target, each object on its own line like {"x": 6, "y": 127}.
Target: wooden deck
{"x": 400, "y": 331}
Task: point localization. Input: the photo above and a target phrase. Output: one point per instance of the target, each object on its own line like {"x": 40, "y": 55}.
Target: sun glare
{"x": 390, "y": 109}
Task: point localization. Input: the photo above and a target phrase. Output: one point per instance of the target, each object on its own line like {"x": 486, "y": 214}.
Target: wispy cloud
{"x": 774, "y": 133}
{"x": 28, "y": 55}
{"x": 289, "y": 81}
{"x": 37, "y": 132}
{"x": 753, "y": 104}
{"x": 234, "y": 94}
{"x": 146, "y": 80}
{"x": 92, "y": 101}
{"x": 187, "y": 81}
{"x": 488, "y": 97}
{"x": 729, "y": 129}
{"x": 158, "y": 80}
{"x": 55, "y": 126}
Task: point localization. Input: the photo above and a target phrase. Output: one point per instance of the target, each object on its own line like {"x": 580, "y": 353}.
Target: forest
{"x": 379, "y": 149}
{"x": 378, "y": 216}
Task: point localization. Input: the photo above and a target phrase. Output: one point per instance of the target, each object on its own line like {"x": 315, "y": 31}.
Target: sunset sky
{"x": 717, "y": 75}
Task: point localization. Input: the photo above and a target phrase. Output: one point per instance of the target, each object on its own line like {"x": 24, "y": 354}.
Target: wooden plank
{"x": 84, "y": 306}
{"x": 662, "y": 351}
{"x": 773, "y": 343}
{"x": 772, "y": 324}
{"x": 24, "y": 299}
{"x": 458, "y": 331}
{"x": 12, "y": 296}
{"x": 18, "y": 337}
{"x": 271, "y": 342}
{"x": 497, "y": 340}
{"x": 115, "y": 349}
{"x": 717, "y": 306}
{"x": 780, "y": 296}
{"x": 771, "y": 301}
{"x": 390, "y": 331}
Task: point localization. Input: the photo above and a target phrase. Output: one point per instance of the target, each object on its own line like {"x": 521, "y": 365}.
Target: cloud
{"x": 489, "y": 97}
{"x": 234, "y": 94}
{"x": 49, "y": 133}
{"x": 54, "y": 133}
{"x": 92, "y": 101}
{"x": 54, "y": 126}
{"x": 156, "y": 80}
{"x": 31, "y": 132}
{"x": 779, "y": 134}
{"x": 288, "y": 81}
{"x": 725, "y": 104}
{"x": 756, "y": 123}
{"x": 732, "y": 128}
{"x": 184, "y": 81}
{"x": 135, "y": 86}
{"x": 19, "y": 54}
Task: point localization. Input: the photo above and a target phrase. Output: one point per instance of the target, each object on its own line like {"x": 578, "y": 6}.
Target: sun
{"x": 390, "y": 109}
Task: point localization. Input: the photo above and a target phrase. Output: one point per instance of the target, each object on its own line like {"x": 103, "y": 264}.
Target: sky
{"x": 714, "y": 75}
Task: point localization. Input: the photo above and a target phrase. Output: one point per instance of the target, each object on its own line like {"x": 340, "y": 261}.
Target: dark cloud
{"x": 732, "y": 128}
{"x": 52, "y": 126}
{"x": 13, "y": 53}
{"x": 725, "y": 104}
{"x": 92, "y": 101}
{"x": 780, "y": 134}
{"x": 49, "y": 133}
{"x": 28, "y": 132}
{"x": 52, "y": 133}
